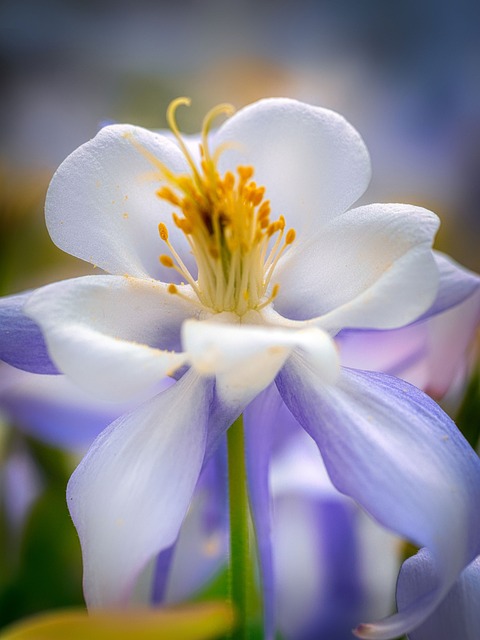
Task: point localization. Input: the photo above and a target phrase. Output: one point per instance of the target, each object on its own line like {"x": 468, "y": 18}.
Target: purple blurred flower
{"x": 260, "y": 304}
{"x": 52, "y": 409}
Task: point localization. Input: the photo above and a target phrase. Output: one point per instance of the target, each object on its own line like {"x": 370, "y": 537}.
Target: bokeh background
{"x": 405, "y": 73}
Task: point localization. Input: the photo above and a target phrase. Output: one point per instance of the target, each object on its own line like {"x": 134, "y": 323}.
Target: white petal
{"x": 246, "y": 358}
{"x": 372, "y": 267}
{"x": 434, "y": 351}
{"x": 113, "y": 336}
{"x": 130, "y": 494}
{"x": 102, "y": 205}
{"x": 312, "y": 162}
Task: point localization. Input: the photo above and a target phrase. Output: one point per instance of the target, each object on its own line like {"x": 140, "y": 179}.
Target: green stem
{"x": 239, "y": 527}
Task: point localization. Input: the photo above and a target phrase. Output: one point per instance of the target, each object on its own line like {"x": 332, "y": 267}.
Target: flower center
{"x": 227, "y": 222}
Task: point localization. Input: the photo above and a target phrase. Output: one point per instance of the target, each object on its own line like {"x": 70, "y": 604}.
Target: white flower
{"x": 261, "y": 264}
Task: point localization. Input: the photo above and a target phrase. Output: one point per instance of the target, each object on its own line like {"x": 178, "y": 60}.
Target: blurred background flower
{"x": 405, "y": 74}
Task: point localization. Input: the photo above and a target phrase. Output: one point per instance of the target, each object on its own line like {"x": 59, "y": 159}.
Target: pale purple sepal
{"x": 458, "y": 616}
{"x": 21, "y": 341}
{"x": 455, "y": 286}
{"x": 52, "y": 409}
{"x": 392, "y": 449}
{"x": 59, "y": 424}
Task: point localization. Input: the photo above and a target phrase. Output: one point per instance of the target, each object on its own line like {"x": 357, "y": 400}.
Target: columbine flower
{"x": 248, "y": 282}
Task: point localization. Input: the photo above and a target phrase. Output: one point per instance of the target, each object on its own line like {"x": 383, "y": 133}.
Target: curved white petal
{"x": 102, "y": 205}
{"x": 246, "y": 358}
{"x": 312, "y": 162}
{"x": 433, "y": 351}
{"x": 129, "y": 495}
{"x": 370, "y": 267}
{"x": 113, "y": 336}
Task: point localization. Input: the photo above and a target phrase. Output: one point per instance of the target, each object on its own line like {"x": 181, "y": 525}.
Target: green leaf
{"x": 203, "y": 621}
{"x": 468, "y": 416}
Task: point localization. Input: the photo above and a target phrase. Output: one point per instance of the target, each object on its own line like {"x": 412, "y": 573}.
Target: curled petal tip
{"x": 363, "y": 630}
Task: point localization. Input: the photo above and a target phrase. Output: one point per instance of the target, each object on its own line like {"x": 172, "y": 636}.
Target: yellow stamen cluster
{"x": 226, "y": 220}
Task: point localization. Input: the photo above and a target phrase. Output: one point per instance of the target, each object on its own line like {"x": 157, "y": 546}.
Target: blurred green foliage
{"x": 468, "y": 416}
{"x": 42, "y": 568}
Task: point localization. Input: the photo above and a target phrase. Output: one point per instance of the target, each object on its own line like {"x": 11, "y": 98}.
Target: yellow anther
{"x": 275, "y": 290}
{"x": 257, "y": 196}
{"x": 245, "y": 173}
{"x": 167, "y": 194}
{"x": 264, "y": 210}
{"x": 275, "y": 226}
{"x": 166, "y": 261}
{"x": 290, "y": 237}
{"x": 172, "y": 288}
{"x": 229, "y": 181}
{"x": 163, "y": 231}
{"x": 183, "y": 224}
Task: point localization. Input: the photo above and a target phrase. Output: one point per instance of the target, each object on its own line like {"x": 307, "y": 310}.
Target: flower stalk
{"x": 239, "y": 569}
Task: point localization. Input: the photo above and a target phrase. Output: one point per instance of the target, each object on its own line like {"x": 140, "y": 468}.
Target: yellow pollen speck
{"x": 125, "y": 216}
{"x": 212, "y": 546}
{"x": 276, "y": 350}
{"x": 172, "y": 288}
